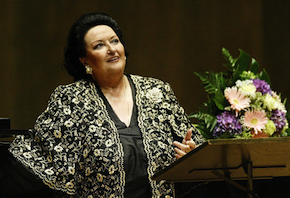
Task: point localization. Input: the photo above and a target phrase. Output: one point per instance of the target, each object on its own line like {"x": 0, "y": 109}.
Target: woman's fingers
{"x": 179, "y": 153}
{"x": 183, "y": 149}
{"x": 188, "y": 135}
{"x": 191, "y": 144}
{"x": 186, "y": 146}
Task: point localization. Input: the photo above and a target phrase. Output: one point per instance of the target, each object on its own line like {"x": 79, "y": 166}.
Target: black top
{"x": 16, "y": 180}
{"x": 135, "y": 160}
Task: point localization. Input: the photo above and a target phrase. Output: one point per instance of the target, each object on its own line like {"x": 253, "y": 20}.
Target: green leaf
{"x": 203, "y": 133}
{"x": 205, "y": 82}
{"x": 244, "y": 60}
{"x": 254, "y": 66}
{"x": 242, "y": 64}
{"x": 206, "y": 124}
{"x": 211, "y": 81}
{"x": 199, "y": 115}
{"x": 228, "y": 57}
{"x": 225, "y": 135}
{"x": 284, "y": 101}
{"x": 219, "y": 100}
{"x": 265, "y": 76}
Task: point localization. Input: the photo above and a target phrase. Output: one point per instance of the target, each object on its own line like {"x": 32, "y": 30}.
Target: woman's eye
{"x": 98, "y": 46}
{"x": 115, "y": 41}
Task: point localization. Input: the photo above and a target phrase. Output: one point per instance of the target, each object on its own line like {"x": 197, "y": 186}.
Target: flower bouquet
{"x": 240, "y": 102}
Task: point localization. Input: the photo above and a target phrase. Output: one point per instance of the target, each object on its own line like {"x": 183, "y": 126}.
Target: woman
{"x": 107, "y": 133}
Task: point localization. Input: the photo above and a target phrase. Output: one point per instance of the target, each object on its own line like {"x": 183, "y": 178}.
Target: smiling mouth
{"x": 113, "y": 59}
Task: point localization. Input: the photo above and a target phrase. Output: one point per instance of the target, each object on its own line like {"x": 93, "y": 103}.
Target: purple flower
{"x": 279, "y": 119}
{"x": 262, "y": 86}
{"x": 227, "y": 122}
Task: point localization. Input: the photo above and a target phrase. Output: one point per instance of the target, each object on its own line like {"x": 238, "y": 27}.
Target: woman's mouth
{"x": 114, "y": 59}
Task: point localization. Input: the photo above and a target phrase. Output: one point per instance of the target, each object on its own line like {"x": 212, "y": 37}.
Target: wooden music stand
{"x": 232, "y": 159}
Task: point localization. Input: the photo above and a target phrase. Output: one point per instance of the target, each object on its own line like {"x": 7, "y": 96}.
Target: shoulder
{"x": 148, "y": 81}
{"x": 153, "y": 88}
{"x": 78, "y": 88}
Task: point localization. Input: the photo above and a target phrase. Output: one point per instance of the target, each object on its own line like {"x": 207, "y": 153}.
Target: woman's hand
{"x": 186, "y": 146}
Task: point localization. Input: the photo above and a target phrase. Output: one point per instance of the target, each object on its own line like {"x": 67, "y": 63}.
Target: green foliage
{"x": 215, "y": 83}
{"x": 263, "y": 75}
{"x": 242, "y": 64}
{"x": 254, "y": 67}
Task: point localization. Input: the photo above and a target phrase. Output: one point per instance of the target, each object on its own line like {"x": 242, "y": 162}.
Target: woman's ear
{"x": 83, "y": 61}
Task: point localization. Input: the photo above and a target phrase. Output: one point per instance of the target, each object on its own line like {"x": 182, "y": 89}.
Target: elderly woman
{"x": 107, "y": 133}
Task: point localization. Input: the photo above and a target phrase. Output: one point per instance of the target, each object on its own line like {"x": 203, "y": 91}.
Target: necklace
{"x": 128, "y": 101}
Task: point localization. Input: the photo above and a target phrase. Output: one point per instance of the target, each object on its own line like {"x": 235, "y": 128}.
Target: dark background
{"x": 169, "y": 40}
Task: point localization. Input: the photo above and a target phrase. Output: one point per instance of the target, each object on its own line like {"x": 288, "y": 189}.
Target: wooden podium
{"x": 232, "y": 159}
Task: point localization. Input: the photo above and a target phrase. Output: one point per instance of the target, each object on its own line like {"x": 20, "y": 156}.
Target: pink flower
{"x": 237, "y": 100}
{"x": 256, "y": 120}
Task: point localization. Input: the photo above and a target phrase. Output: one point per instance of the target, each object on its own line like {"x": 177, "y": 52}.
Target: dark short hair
{"x": 76, "y": 47}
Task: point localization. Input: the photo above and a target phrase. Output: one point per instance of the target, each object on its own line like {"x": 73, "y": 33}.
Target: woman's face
{"x": 105, "y": 52}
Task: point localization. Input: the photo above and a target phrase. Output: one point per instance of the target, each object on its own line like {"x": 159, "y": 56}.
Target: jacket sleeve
{"x": 178, "y": 118}
{"x": 50, "y": 150}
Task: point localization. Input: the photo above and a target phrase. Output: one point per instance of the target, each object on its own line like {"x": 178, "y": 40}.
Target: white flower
{"x": 57, "y": 133}
{"x": 86, "y": 105}
{"x": 48, "y": 121}
{"x": 27, "y": 155}
{"x": 183, "y": 127}
{"x": 99, "y": 177}
{"x": 240, "y": 83}
{"x": 71, "y": 170}
{"x": 49, "y": 158}
{"x": 99, "y": 122}
{"x": 246, "y": 87}
{"x": 76, "y": 101}
{"x": 97, "y": 152}
{"x": 154, "y": 95}
{"x": 28, "y": 147}
{"x": 167, "y": 87}
{"x": 68, "y": 123}
{"x": 88, "y": 171}
{"x": 281, "y": 106}
{"x": 162, "y": 145}
{"x": 49, "y": 171}
{"x": 67, "y": 111}
{"x": 92, "y": 128}
{"x": 161, "y": 118}
{"x": 270, "y": 102}
{"x": 108, "y": 143}
{"x": 58, "y": 148}
{"x": 166, "y": 105}
{"x": 85, "y": 153}
{"x": 111, "y": 169}
{"x": 69, "y": 185}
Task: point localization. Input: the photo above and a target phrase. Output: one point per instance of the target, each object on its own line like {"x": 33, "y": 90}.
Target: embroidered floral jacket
{"x": 75, "y": 147}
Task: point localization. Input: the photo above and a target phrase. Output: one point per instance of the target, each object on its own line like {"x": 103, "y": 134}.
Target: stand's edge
{"x": 248, "y": 140}
{"x": 229, "y": 141}
{"x": 13, "y": 131}
{"x": 155, "y": 176}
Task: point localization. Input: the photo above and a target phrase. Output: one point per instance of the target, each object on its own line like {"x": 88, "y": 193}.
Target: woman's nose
{"x": 111, "y": 49}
